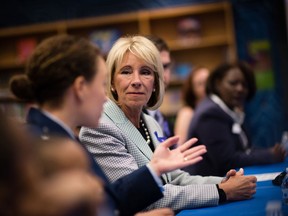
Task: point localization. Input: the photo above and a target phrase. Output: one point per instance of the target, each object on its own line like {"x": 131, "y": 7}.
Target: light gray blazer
{"x": 119, "y": 149}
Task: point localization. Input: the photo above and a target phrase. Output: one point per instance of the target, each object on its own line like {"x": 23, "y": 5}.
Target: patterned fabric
{"x": 120, "y": 149}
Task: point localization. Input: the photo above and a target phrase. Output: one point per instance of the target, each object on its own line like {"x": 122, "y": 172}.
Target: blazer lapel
{"x": 123, "y": 123}
{"x": 157, "y": 137}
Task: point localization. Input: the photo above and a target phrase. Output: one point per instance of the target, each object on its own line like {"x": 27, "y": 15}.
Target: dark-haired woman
{"x": 193, "y": 92}
{"x": 218, "y": 123}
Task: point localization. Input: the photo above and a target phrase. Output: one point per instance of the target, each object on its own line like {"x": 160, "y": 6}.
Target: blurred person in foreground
{"x": 126, "y": 137}
{"x": 66, "y": 77}
{"x": 218, "y": 123}
{"x": 26, "y": 190}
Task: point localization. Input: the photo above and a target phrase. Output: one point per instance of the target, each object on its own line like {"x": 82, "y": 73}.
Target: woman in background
{"x": 218, "y": 123}
{"x": 193, "y": 92}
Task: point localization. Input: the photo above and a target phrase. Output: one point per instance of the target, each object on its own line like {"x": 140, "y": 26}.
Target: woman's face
{"x": 199, "y": 82}
{"x": 233, "y": 88}
{"x": 95, "y": 95}
{"x": 134, "y": 82}
{"x": 166, "y": 61}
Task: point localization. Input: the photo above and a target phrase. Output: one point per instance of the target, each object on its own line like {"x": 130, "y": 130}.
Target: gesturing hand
{"x": 278, "y": 152}
{"x": 166, "y": 160}
{"x": 239, "y": 187}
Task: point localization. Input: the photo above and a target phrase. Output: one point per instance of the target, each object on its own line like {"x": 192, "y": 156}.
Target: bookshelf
{"x": 215, "y": 44}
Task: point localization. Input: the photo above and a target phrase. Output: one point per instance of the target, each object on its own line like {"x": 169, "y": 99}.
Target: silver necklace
{"x": 146, "y": 132}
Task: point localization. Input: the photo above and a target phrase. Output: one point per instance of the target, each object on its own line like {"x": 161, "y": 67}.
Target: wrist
{"x": 222, "y": 194}
{"x": 153, "y": 166}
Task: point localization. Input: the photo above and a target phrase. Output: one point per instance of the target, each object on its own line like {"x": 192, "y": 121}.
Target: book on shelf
{"x": 105, "y": 39}
{"x": 181, "y": 71}
{"x": 25, "y": 48}
{"x": 189, "y": 30}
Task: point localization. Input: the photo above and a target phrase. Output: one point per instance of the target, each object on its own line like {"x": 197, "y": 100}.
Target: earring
{"x": 154, "y": 90}
{"x": 112, "y": 89}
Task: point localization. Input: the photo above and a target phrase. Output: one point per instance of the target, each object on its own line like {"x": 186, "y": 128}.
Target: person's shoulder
{"x": 205, "y": 105}
{"x": 185, "y": 112}
{"x": 208, "y": 108}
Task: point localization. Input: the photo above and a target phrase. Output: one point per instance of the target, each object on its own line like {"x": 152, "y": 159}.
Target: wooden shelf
{"x": 216, "y": 41}
{"x": 188, "y": 10}
{"x": 198, "y": 43}
{"x": 11, "y": 64}
{"x": 56, "y": 27}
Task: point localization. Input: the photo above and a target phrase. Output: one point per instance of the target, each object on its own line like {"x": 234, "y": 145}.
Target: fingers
{"x": 253, "y": 179}
{"x": 231, "y": 172}
{"x": 187, "y": 144}
{"x": 170, "y": 142}
{"x": 241, "y": 171}
{"x": 194, "y": 152}
{"x": 192, "y": 161}
{"x": 173, "y": 140}
{"x": 279, "y": 152}
{"x": 193, "y": 155}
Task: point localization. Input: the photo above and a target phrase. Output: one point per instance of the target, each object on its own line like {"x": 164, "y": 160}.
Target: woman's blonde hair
{"x": 144, "y": 49}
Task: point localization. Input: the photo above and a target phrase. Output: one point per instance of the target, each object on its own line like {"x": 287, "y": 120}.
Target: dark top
{"x": 127, "y": 195}
{"x": 213, "y": 128}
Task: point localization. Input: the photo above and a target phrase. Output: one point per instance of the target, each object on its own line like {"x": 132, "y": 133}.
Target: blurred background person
{"x": 193, "y": 91}
{"x": 218, "y": 123}
{"x": 162, "y": 46}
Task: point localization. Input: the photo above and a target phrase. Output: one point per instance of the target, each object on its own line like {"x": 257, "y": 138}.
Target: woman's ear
{"x": 154, "y": 87}
{"x": 112, "y": 88}
{"x": 79, "y": 86}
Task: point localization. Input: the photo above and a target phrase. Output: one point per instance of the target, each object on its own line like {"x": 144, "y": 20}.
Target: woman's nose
{"x": 136, "y": 81}
{"x": 136, "y": 84}
{"x": 241, "y": 88}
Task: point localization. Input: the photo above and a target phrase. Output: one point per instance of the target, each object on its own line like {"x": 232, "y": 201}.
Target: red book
{"x": 25, "y": 47}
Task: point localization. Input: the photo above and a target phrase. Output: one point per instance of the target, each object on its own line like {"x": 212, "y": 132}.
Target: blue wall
{"x": 265, "y": 20}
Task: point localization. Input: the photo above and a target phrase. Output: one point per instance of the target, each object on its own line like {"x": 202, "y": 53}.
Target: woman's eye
{"x": 125, "y": 72}
{"x": 233, "y": 83}
{"x": 146, "y": 72}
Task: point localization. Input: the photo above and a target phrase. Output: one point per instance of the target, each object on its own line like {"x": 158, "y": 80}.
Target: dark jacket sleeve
{"x": 132, "y": 193}
{"x": 213, "y": 128}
